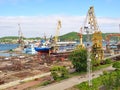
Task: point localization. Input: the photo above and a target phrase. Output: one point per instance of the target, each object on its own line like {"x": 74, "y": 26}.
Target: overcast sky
{"x": 37, "y": 17}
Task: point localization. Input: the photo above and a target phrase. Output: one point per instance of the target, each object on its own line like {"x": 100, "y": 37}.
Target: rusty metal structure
{"x": 111, "y": 35}
{"x": 108, "y": 46}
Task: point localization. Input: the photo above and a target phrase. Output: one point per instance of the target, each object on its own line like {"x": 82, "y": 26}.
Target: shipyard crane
{"x": 80, "y": 35}
{"x": 92, "y": 26}
{"x": 57, "y": 31}
{"x": 81, "y": 45}
{"x": 20, "y": 34}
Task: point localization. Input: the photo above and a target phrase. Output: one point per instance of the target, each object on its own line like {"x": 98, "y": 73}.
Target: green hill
{"x": 72, "y": 36}
{"x": 9, "y": 37}
{"x": 69, "y": 36}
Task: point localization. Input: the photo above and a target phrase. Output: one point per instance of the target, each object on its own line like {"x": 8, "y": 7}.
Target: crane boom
{"x": 92, "y": 19}
{"x": 92, "y": 27}
{"x": 57, "y": 31}
{"x": 20, "y": 34}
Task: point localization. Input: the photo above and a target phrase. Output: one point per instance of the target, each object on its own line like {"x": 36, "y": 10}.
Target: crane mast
{"x": 57, "y": 31}
{"x": 81, "y": 45}
{"x": 96, "y": 51}
{"x": 20, "y": 34}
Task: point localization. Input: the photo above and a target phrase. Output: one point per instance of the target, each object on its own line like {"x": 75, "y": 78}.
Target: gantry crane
{"x": 91, "y": 27}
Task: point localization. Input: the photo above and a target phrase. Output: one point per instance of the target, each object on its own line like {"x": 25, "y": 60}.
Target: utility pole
{"x": 119, "y": 33}
{"x": 89, "y": 65}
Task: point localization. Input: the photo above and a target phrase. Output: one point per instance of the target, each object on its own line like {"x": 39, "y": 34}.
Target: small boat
{"x": 43, "y": 46}
{"x": 29, "y": 49}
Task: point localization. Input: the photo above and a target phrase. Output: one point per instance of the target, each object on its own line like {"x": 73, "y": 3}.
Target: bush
{"x": 116, "y": 65}
{"x": 105, "y": 72}
{"x": 59, "y": 72}
{"x": 95, "y": 62}
{"x": 79, "y": 59}
{"x": 45, "y": 83}
{"x": 108, "y": 61}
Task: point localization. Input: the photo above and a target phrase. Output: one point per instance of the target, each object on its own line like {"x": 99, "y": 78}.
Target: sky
{"x": 39, "y": 17}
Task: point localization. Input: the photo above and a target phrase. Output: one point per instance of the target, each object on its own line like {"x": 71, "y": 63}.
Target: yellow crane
{"x": 80, "y": 35}
{"x": 96, "y": 37}
{"x": 81, "y": 45}
{"x": 93, "y": 27}
{"x": 57, "y": 31}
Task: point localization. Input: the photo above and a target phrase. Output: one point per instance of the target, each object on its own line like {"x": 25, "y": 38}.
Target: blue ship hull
{"x": 39, "y": 49}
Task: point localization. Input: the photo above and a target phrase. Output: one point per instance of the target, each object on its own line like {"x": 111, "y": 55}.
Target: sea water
{"x": 6, "y": 47}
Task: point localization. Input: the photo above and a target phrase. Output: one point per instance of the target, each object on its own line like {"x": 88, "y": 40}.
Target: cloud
{"x": 36, "y": 26}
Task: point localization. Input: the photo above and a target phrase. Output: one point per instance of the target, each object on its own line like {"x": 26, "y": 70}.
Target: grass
{"x": 101, "y": 66}
{"x": 69, "y": 76}
{"x": 39, "y": 85}
{"x": 45, "y": 83}
{"x": 93, "y": 69}
{"x": 96, "y": 83}
{"x": 76, "y": 74}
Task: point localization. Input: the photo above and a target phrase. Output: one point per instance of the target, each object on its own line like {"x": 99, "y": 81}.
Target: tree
{"x": 79, "y": 59}
{"x": 111, "y": 81}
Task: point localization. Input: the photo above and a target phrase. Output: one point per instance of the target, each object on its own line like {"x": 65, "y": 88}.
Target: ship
{"x": 29, "y": 49}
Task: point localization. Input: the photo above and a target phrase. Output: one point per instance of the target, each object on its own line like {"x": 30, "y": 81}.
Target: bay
{"x": 4, "y": 47}
{"x": 7, "y": 47}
